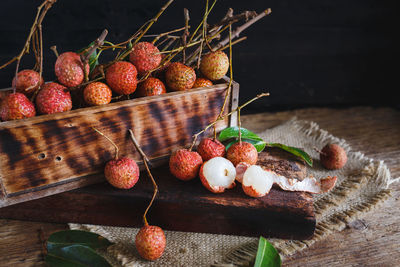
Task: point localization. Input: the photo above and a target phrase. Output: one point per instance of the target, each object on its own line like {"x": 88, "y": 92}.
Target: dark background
{"x": 332, "y": 53}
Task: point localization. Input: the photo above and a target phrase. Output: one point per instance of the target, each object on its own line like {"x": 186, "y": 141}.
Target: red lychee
{"x": 210, "y": 148}
{"x": 28, "y": 81}
{"x": 214, "y": 65}
{"x": 333, "y": 157}
{"x": 180, "y": 77}
{"x": 151, "y": 86}
{"x": 53, "y": 98}
{"x": 150, "y": 242}
{"x": 122, "y": 77}
{"x": 122, "y": 173}
{"x": 97, "y": 93}
{"x": 185, "y": 164}
{"x": 16, "y": 106}
{"x": 69, "y": 69}
{"x": 202, "y": 82}
{"x": 145, "y": 56}
{"x": 242, "y": 152}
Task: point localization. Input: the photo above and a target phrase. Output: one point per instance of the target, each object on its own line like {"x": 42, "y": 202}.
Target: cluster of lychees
{"x": 121, "y": 78}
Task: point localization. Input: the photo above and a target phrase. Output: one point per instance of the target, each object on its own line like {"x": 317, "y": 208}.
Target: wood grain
{"x": 372, "y": 241}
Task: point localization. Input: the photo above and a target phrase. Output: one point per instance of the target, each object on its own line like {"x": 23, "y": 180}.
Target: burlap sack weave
{"x": 362, "y": 184}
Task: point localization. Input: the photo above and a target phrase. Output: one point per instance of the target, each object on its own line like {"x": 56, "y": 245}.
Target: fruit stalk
{"x": 145, "y": 161}
{"x": 111, "y": 141}
{"x": 185, "y": 33}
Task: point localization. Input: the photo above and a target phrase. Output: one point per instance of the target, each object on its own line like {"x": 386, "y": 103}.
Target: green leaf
{"x": 295, "y": 151}
{"x": 267, "y": 256}
{"x": 75, "y": 255}
{"x": 93, "y": 58}
{"x": 73, "y": 237}
{"x": 233, "y": 132}
{"x": 259, "y": 145}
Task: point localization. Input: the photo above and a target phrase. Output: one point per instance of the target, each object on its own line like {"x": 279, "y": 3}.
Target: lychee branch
{"x": 145, "y": 161}
{"x": 224, "y": 116}
{"x": 111, "y": 141}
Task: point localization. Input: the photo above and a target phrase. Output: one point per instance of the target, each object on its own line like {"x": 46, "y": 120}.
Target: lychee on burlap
{"x": 362, "y": 185}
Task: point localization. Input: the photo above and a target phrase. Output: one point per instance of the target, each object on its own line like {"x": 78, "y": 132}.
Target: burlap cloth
{"x": 362, "y": 184}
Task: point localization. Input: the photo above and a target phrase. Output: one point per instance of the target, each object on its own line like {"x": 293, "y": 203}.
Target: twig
{"x": 234, "y": 42}
{"x": 111, "y": 141}
{"x": 185, "y": 33}
{"x": 145, "y": 161}
{"x": 159, "y": 36}
{"x": 54, "y": 49}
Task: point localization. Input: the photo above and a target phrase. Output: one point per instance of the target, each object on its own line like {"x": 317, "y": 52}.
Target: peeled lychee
{"x": 218, "y": 174}
{"x": 180, "y": 77}
{"x": 145, "y": 56}
{"x": 97, "y": 93}
{"x": 255, "y": 182}
{"x": 150, "y": 242}
{"x": 242, "y": 152}
{"x": 185, "y": 164}
{"x": 333, "y": 157}
{"x": 28, "y": 81}
{"x": 69, "y": 69}
{"x": 122, "y": 77}
{"x": 202, "y": 82}
{"x": 210, "y": 148}
{"x": 214, "y": 65}
{"x": 122, "y": 173}
{"x": 151, "y": 86}
{"x": 16, "y": 106}
{"x": 53, "y": 98}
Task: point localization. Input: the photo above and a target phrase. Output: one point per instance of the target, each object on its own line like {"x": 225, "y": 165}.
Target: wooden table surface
{"x": 371, "y": 241}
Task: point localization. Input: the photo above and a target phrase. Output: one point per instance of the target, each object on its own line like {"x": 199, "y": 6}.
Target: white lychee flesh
{"x": 258, "y": 179}
{"x": 219, "y": 172}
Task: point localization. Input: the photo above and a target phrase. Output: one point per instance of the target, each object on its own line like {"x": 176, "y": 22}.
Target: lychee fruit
{"x": 256, "y": 182}
{"x": 180, "y": 77}
{"x": 145, "y": 56}
{"x": 150, "y": 242}
{"x": 185, "y": 164}
{"x": 217, "y": 174}
{"x": 333, "y": 157}
{"x": 210, "y": 148}
{"x": 122, "y": 77}
{"x": 97, "y": 93}
{"x": 69, "y": 69}
{"x": 214, "y": 65}
{"x": 151, "y": 86}
{"x": 202, "y": 82}
{"x": 242, "y": 152}
{"x": 16, "y": 106}
{"x": 122, "y": 173}
{"x": 28, "y": 81}
{"x": 53, "y": 98}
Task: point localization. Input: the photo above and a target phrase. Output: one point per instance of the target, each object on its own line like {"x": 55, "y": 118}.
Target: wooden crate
{"x": 49, "y": 154}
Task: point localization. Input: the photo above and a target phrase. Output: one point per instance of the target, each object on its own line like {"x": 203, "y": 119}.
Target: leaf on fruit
{"x": 233, "y": 132}
{"x": 75, "y": 255}
{"x": 295, "y": 151}
{"x": 267, "y": 256}
{"x": 76, "y": 237}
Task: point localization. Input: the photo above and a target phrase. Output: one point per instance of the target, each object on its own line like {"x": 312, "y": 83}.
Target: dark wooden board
{"x": 181, "y": 206}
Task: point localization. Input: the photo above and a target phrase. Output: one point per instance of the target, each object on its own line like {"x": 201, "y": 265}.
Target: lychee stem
{"x": 54, "y": 49}
{"x": 320, "y": 152}
{"x": 111, "y": 141}
{"x": 145, "y": 161}
{"x": 239, "y": 126}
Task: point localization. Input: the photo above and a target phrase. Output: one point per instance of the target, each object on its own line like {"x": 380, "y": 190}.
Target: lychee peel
{"x": 150, "y": 242}
{"x": 122, "y": 77}
{"x": 240, "y": 170}
{"x": 202, "y": 82}
{"x": 53, "y": 98}
{"x": 27, "y": 82}
{"x": 333, "y": 157}
{"x": 242, "y": 152}
{"x": 97, "y": 93}
{"x": 69, "y": 69}
{"x": 145, "y": 56}
{"x": 16, "y": 106}
{"x": 122, "y": 173}
{"x": 210, "y": 148}
{"x": 151, "y": 86}
{"x": 214, "y": 65}
{"x": 217, "y": 174}
{"x": 180, "y": 77}
{"x": 185, "y": 164}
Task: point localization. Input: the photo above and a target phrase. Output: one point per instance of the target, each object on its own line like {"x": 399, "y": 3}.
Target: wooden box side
{"x": 49, "y": 154}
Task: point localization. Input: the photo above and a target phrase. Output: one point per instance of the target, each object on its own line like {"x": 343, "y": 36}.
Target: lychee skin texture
{"x": 97, "y": 93}
{"x": 180, "y": 77}
{"x": 122, "y": 77}
{"x": 69, "y": 69}
{"x": 53, "y": 99}
{"x": 145, "y": 56}
{"x": 122, "y": 173}
{"x": 150, "y": 242}
{"x": 214, "y": 65}
{"x": 242, "y": 152}
{"x": 209, "y": 148}
{"x": 333, "y": 157}
{"x": 151, "y": 86}
{"x": 28, "y": 82}
{"x": 185, "y": 164}
{"x": 202, "y": 82}
{"x": 16, "y": 106}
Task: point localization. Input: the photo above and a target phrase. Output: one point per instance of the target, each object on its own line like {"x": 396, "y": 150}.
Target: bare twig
{"x": 185, "y": 33}
{"x": 54, "y": 49}
{"x": 111, "y": 141}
